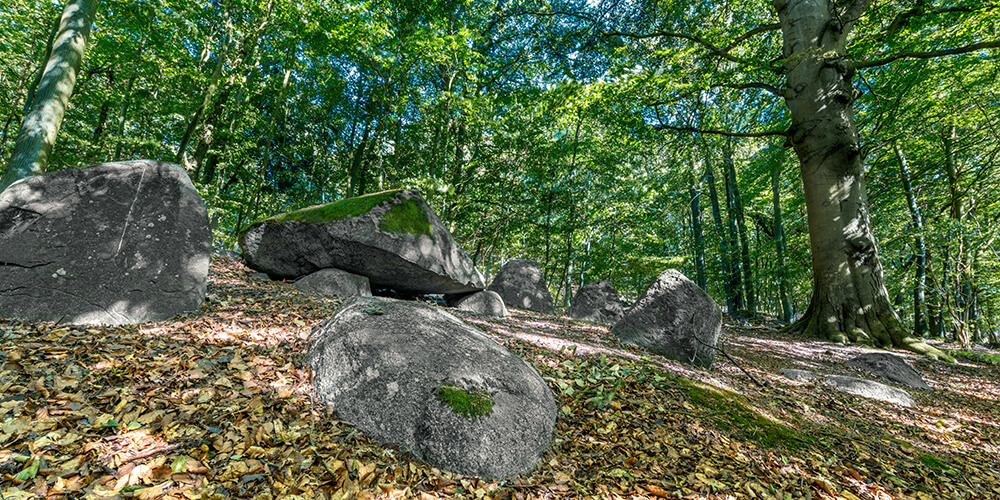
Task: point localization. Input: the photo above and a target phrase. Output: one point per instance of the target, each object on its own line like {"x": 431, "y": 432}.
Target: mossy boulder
{"x": 392, "y": 238}
{"x": 413, "y": 375}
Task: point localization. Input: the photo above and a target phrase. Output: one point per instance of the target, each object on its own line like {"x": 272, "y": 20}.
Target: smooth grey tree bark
{"x": 850, "y": 302}
{"x": 41, "y": 123}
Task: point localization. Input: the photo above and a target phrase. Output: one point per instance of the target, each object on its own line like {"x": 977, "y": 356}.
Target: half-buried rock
{"x": 486, "y": 302}
{"x": 597, "y": 302}
{"x": 413, "y": 375}
{"x": 334, "y": 282}
{"x": 673, "y": 318}
{"x": 116, "y": 243}
{"x": 521, "y": 284}
{"x": 392, "y": 238}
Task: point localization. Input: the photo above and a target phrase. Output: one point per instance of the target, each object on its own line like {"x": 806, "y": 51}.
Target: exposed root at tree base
{"x": 890, "y": 334}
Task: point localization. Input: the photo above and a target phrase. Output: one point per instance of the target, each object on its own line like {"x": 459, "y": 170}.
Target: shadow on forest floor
{"x": 219, "y": 404}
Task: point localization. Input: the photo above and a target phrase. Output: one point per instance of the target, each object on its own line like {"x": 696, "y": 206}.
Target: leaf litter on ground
{"x": 218, "y": 404}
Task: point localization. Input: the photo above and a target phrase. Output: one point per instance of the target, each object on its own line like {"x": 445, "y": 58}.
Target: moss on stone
{"x": 406, "y": 217}
{"x": 338, "y": 210}
{"x": 469, "y": 404}
{"x": 733, "y": 412}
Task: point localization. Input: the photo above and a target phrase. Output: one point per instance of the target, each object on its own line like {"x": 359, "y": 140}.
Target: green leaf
{"x": 133, "y": 426}
{"x": 29, "y": 471}
{"x": 178, "y": 465}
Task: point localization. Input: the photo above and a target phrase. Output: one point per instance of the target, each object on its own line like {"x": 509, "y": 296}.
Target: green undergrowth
{"x": 602, "y": 382}
{"x": 733, "y": 412}
{"x": 469, "y": 404}
{"x": 976, "y": 357}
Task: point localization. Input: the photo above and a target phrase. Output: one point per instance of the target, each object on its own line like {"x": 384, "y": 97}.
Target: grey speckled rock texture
{"x": 421, "y": 259}
{"x": 521, "y": 284}
{"x": 597, "y": 302}
{"x": 334, "y": 282}
{"x": 890, "y": 367}
{"x": 870, "y": 389}
{"x": 802, "y": 375}
{"x": 486, "y": 302}
{"x": 379, "y": 363}
{"x": 673, "y": 318}
{"x": 116, "y": 243}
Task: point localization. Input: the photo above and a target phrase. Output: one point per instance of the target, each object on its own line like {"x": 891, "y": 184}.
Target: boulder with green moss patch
{"x": 392, "y": 238}
{"x": 415, "y": 376}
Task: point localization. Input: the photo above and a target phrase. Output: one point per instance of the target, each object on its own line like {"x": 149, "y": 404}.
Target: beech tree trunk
{"x": 41, "y": 123}
{"x": 698, "y": 235}
{"x": 724, "y": 253}
{"x": 779, "y": 246}
{"x": 850, "y": 302}
{"x": 920, "y": 247}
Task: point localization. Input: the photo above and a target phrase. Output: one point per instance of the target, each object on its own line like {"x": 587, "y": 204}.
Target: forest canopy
{"x": 604, "y": 139}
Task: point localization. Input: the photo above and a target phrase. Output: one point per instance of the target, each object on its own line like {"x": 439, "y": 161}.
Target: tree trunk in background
{"x": 849, "y": 301}
{"x": 920, "y": 248}
{"x": 724, "y": 252}
{"x": 935, "y": 315}
{"x": 735, "y": 277}
{"x": 120, "y": 134}
{"x": 959, "y": 306}
{"x": 357, "y": 172}
{"x": 207, "y": 100}
{"x": 17, "y": 97}
{"x": 698, "y": 235}
{"x": 44, "y": 63}
{"x": 749, "y": 295}
{"x": 779, "y": 246}
{"x": 41, "y": 124}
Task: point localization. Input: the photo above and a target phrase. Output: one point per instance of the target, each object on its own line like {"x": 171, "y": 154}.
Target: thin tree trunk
{"x": 724, "y": 248}
{"x": 120, "y": 134}
{"x": 33, "y": 89}
{"x": 749, "y": 296}
{"x": 278, "y": 117}
{"x": 920, "y": 253}
{"x": 17, "y": 95}
{"x": 207, "y": 100}
{"x": 698, "y": 235}
{"x": 850, "y": 302}
{"x": 779, "y": 246}
{"x": 41, "y": 124}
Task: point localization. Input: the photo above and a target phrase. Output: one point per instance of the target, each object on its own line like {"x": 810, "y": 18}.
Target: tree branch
{"x": 724, "y": 133}
{"x": 683, "y": 36}
{"x": 928, "y": 55}
{"x": 756, "y": 31}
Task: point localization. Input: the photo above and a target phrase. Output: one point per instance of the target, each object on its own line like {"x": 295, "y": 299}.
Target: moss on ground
{"x": 469, "y": 404}
{"x": 976, "y": 357}
{"x": 733, "y": 411}
{"x": 406, "y": 217}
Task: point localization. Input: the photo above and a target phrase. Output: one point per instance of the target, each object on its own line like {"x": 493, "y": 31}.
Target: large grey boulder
{"x": 386, "y": 367}
{"x": 597, "y": 302}
{"x": 890, "y": 367}
{"x": 116, "y": 243}
{"x": 392, "y": 238}
{"x": 334, "y": 282}
{"x": 521, "y": 284}
{"x": 486, "y": 302}
{"x": 870, "y": 389}
{"x": 673, "y": 318}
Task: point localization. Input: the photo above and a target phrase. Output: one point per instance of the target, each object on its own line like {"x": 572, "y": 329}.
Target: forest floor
{"x": 219, "y": 404}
